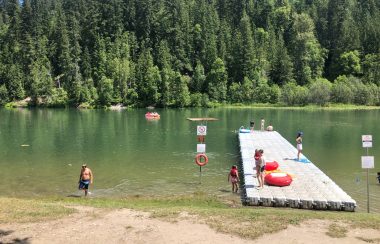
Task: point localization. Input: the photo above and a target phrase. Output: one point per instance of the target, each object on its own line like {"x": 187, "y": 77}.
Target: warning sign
{"x": 201, "y": 130}
{"x": 367, "y": 140}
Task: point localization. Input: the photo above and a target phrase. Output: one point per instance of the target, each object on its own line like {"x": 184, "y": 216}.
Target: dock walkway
{"x": 310, "y": 189}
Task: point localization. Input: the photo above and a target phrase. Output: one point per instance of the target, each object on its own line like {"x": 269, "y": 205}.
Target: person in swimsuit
{"x": 85, "y": 178}
{"x": 262, "y": 124}
{"x": 233, "y": 177}
{"x": 270, "y": 127}
{"x": 260, "y": 166}
{"x": 299, "y": 144}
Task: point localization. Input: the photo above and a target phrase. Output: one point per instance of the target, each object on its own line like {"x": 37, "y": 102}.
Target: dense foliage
{"x": 178, "y": 53}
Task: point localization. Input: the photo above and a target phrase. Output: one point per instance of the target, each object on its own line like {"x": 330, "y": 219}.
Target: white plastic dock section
{"x": 310, "y": 189}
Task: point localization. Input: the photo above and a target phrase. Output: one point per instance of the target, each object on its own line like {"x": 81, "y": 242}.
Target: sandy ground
{"x": 92, "y": 225}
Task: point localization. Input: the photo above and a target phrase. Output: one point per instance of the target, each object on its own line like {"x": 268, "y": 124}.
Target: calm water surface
{"x": 41, "y": 150}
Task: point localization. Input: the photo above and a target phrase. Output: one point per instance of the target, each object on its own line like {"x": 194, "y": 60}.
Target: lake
{"x": 41, "y": 150}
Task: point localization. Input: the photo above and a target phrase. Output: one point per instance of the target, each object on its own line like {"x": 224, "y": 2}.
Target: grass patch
{"x": 368, "y": 240}
{"x": 337, "y": 231}
{"x": 311, "y": 107}
{"x": 27, "y": 210}
{"x": 247, "y": 222}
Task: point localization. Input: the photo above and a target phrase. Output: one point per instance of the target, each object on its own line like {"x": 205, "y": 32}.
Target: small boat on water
{"x": 278, "y": 179}
{"x": 152, "y": 115}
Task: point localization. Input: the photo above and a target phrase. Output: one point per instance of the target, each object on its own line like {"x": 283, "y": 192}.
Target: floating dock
{"x": 310, "y": 189}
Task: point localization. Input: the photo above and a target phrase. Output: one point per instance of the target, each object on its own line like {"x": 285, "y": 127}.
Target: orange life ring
{"x": 199, "y": 157}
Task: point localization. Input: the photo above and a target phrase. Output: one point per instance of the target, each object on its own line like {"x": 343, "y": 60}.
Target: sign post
{"x": 201, "y": 146}
{"x": 368, "y": 162}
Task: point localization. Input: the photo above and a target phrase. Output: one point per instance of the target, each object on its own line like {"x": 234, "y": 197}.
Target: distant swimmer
{"x": 85, "y": 178}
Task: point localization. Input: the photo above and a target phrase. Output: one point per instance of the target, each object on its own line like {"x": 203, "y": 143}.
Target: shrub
{"x": 235, "y": 93}
{"x": 319, "y": 91}
{"x": 3, "y": 95}
{"x": 293, "y": 94}
{"x": 341, "y": 91}
{"x": 58, "y": 98}
{"x": 196, "y": 99}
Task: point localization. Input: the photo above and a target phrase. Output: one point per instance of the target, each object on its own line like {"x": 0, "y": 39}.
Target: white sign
{"x": 367, "y": 140}
{"x": 201, "y": 130}
{"x": 201, "y": 148}
{"x": 368, "y": 162}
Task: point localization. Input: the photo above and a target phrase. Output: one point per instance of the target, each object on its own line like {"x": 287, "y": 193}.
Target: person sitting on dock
{"x": 233, "y": 177}
{"x": 260, "y": 166}
{"x": 270, "y": 127}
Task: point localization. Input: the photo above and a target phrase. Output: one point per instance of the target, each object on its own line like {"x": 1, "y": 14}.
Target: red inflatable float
{"x": 270, "y": 166}
{"x": 278, "y": 179}
{"x": 199, "y": 157}
{"x": 152, "y": 115}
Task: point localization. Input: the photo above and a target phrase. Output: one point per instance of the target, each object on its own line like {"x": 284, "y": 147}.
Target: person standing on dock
{"x": 299, "y": 144}
{"x": 85, "y": 178}
{"x": 262, "y": 123}
{"x": 233, "y": 177}
{"x": 260, "y": 166}
{"x": 252, "y": 125}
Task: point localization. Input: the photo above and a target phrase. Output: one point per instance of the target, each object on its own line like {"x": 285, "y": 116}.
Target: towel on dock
{"x": 302, "y": 160}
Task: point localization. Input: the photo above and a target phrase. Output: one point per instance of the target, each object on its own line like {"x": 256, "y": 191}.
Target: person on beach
{"x": 260, "y": 166}
{"x": 299, "y": 144}
{"x": 233, "y": 177}
{"x": 85, "y": 178}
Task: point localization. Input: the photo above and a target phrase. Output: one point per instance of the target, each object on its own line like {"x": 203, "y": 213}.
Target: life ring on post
{"x": 199, "y": 157}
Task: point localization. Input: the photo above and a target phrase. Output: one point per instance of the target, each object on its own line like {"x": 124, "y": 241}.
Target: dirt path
{"x": 92, "y": 225}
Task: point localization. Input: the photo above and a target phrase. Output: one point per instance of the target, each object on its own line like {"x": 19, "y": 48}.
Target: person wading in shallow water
{"x": 85, "y": 178}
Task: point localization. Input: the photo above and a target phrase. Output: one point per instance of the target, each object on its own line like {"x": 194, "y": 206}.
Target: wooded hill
{"x": 179, "y": 53}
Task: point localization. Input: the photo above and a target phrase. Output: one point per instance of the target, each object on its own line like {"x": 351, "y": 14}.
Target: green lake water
{"x": 41, "y": 150}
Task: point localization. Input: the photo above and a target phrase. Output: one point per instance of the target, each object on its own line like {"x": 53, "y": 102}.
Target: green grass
{"x": 337, "y": 231}
{"x": 331, "y": 107}
{"x": 247, "y": 222}
{"x": 28, "y": 210}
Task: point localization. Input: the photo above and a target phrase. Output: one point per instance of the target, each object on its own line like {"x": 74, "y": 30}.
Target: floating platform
{"x": 310, "y": 189}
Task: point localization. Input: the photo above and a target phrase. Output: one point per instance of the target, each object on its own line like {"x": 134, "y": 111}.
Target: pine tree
{"x": 217, "y": 81}
{"x": 281, "y": 71}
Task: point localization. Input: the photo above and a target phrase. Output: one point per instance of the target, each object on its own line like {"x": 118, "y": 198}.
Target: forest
{"x": 189, "y": 53}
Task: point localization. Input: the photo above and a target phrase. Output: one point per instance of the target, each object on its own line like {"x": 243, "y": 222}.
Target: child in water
{"x": 233, "y": 177}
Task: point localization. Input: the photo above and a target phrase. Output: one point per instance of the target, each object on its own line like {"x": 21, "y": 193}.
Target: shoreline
{"x": 217, "y": 218}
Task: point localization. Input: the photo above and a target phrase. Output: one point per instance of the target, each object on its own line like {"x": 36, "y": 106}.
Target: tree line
{"x": 180, "y": 53}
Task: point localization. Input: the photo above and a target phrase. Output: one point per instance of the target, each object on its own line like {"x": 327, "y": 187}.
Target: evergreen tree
{"x": 308, "y": 55}
{"x": 281, "y": 71}
{"x": 217, "y": 81}
{"x": 148, "y": 78}
{"x": 181, "y": 94}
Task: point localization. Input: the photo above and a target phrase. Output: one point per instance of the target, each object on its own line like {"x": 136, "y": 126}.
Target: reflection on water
{"x": 130, "y": 155}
